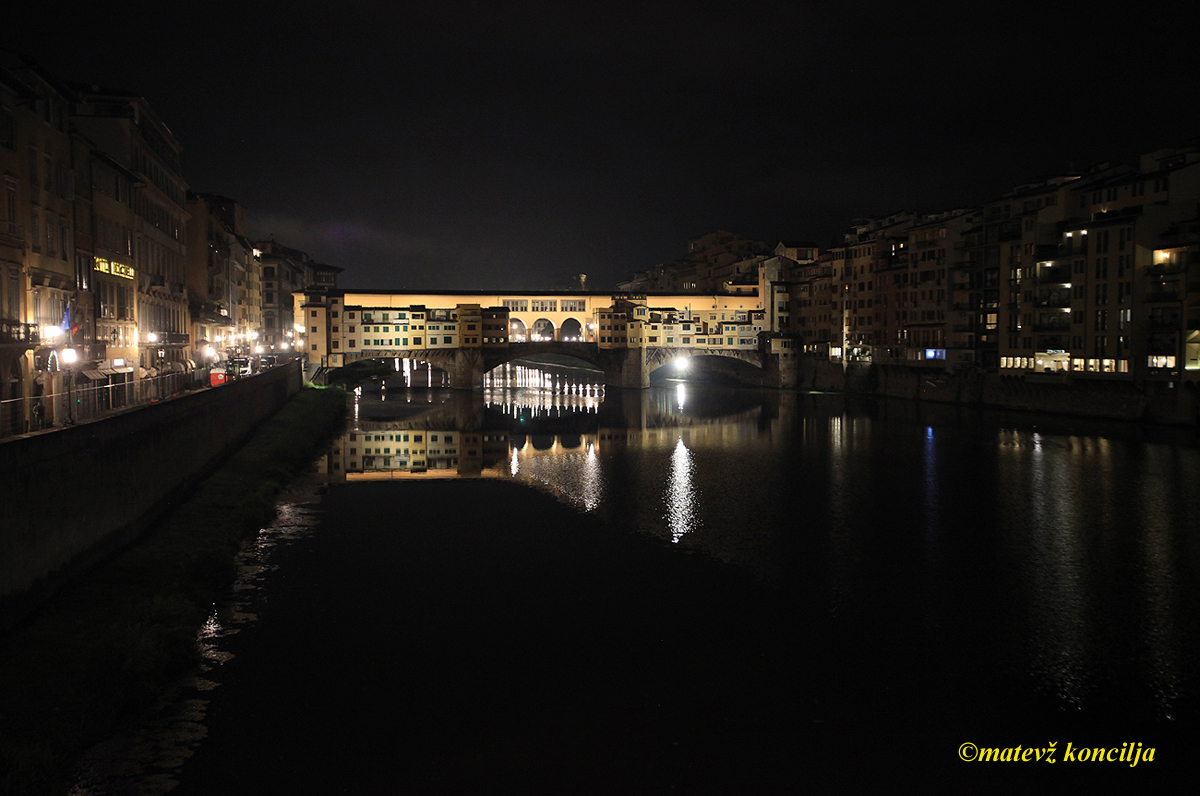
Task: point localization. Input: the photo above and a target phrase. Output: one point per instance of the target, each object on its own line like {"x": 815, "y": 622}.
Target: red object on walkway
{"x": 217, "y": 378}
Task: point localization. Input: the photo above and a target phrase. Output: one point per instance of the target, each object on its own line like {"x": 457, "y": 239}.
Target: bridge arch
{"x": 586, "y": 353}
{"x": 716, "y": 361}
{"x": 570, "y": 330}
{"x": 542, "y": 329}
{"x": 517, "y": 331}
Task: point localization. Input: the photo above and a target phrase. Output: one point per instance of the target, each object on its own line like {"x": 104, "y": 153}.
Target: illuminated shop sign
{"x": 116, "y": 269}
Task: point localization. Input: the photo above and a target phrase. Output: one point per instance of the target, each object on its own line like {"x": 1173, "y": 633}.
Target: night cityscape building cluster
{"x": 113, "y": 274}
{"x": 1093, "y": 274}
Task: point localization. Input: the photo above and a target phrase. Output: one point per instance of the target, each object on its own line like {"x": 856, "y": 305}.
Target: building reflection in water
{"x": 1060, "y": 559}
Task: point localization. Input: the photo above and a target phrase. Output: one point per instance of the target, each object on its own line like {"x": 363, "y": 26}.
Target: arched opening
{"x": 543, "y": 329}
{"x": 517, "y": 333}
{"x": 379, "y": 374}
{"x": 707, "y": 369}
{"x": 571, "y": 330}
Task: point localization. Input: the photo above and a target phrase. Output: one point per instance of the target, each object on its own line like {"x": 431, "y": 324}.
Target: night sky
{"x": 516, "y": 145}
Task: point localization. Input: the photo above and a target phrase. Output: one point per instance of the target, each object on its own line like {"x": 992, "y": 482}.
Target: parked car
{"x": 238, "y": 367}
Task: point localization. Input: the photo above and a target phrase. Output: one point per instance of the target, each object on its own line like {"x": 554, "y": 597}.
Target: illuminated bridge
{"x": 468, "y": 333}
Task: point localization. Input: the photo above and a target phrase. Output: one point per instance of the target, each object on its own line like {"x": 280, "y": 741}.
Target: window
{"x": 10, "y": 190}
{"x": 7, "y": 128}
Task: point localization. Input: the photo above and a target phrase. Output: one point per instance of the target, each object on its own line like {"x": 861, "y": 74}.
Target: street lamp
{"x": 69, "y": 357}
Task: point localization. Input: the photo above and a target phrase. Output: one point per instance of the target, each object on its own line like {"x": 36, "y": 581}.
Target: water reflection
{"x": 1054, "y": 557}
{"x": 682, "y": 500}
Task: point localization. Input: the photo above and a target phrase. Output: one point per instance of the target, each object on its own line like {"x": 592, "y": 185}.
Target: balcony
{"x": 93, "y": 352}
{"x": 1160, "y": 296}
{"x": 1165, "y": 269}
{"x": 1052, "y": 327}
{"x": 1053, "y": 342}
{"x": 1059, "y": 275}
{"x": 1054, "y": 302}
{"x": 169, "y": 338}
{"x": 19, "y": 333}
{"x": 1162, "y": 344}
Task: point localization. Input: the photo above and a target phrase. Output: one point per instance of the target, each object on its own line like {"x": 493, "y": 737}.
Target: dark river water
{"x": 560, "y": 588}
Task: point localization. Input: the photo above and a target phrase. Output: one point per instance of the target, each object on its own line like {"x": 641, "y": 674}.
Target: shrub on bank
{"x": 109, "y": 646}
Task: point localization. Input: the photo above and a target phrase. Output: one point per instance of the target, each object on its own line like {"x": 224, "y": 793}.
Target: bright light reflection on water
{"x": 681, "y": 497}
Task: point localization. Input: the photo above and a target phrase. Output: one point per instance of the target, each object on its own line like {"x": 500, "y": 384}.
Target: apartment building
{"x": 932, "y": 329}
{"x": 105, "y": 221}
{"x": 39, "y": 285}
{"x": 1092, "y": 275}
{"x": 286, "y": 271}
{"x": 123, "y": 126}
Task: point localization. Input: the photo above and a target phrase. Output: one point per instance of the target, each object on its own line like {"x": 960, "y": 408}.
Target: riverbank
{"x": 1158, "y": 402}
{"x": 107, "y": 647}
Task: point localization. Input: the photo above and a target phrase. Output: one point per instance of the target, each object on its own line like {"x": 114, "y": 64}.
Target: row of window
{"x": 545, "y": 305}
{"x": 653, "y": 339}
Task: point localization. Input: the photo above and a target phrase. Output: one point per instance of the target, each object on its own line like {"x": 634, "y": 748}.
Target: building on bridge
{"x": 467, "y": 333}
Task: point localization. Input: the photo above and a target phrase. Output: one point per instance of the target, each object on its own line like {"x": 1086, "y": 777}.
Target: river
{"x": 554, "y": 587}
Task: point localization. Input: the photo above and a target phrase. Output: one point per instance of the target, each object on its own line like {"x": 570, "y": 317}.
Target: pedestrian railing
{"x": 82, "y": 403}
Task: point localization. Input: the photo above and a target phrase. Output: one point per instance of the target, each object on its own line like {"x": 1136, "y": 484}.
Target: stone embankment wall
{"x": 1154, "y": 402}
{"x": 69, "y": 496}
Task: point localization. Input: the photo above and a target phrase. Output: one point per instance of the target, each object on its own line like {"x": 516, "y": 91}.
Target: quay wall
{"x": 1153, "y": 402}
{"x": 69, "y": 496}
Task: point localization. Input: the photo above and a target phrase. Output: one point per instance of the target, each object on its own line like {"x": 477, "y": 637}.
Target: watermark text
{"x": 1131, "y": 753}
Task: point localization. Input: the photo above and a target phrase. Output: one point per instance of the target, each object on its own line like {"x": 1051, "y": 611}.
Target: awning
{"x": 125, "y": 369}
{"x": 95, "y": 375}
{"x": 107, "y": 371}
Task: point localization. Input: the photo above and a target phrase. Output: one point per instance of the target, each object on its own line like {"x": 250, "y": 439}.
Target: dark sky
{"x": 505, "y": 144}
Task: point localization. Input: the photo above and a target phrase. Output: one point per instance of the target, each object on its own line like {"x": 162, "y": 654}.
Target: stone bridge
{"x": 622, "y": 367}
